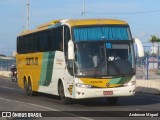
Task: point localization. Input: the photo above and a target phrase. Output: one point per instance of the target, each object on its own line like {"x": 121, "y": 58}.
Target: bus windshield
{"x": 105, "y": 57}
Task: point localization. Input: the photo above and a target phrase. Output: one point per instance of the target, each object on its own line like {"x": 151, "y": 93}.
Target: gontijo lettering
{"x": 32, "y": 61}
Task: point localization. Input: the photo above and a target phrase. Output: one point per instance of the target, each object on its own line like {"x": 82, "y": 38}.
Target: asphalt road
{"x": 12, "y": 98}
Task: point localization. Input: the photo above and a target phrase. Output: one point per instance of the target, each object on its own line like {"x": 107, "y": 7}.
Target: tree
{"x": 155, "y": 39}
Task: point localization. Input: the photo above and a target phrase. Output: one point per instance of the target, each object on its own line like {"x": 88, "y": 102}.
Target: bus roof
{"x": 76, "y": 22}
{"x": 79, "y": 22}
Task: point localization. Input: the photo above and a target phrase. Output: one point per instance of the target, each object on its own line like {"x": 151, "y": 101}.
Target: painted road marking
{"x": 47, "y": 108}
{"x": 7, "y": 87}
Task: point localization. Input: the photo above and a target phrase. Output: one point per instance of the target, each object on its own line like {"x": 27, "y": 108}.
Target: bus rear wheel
{"x": 30, "y": 92}
{"x": 64, "y": 99}
{"x": 28, "y": 88}
{"x": 112, "y": 100}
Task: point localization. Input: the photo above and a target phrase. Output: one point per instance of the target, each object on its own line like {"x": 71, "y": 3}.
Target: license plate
{"x": 107, "y": 92}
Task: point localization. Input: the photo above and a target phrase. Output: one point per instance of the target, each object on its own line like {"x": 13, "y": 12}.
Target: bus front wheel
{"x": 64, "y": 99}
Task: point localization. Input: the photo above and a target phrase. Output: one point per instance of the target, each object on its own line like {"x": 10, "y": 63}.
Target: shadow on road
{"x": 138, "y": 99}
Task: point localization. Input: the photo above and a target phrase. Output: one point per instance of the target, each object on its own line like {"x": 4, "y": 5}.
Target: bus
{"x": 78, "y": 59}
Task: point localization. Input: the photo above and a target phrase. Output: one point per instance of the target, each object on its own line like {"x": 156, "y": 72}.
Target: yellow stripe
{"x": 101, "y": 83}
{"x": 74, "y": 22}
{"x": 30, "y": 70}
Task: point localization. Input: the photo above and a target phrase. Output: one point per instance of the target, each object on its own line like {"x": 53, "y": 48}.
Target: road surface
{"x": 12, "y": 98}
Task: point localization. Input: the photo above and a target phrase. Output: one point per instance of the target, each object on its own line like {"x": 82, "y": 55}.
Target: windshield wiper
{"x": 115, "y": 66}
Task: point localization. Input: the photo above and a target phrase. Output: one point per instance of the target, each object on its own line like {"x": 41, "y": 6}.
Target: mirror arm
{"x": 71, "y": 54}
{"x": 139, "y": 46}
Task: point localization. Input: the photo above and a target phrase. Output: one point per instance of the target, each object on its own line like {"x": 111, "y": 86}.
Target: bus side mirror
{"x": 139, "y": 47}
{"x": 71, "y": 55}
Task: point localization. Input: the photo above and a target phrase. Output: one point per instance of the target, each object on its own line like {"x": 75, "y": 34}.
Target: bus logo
{"x": 107, "y": 84}
{"x": 6, "y": 114}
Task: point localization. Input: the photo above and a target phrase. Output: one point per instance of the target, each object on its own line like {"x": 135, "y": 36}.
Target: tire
{"x": 112, "y": 100}
{"x": 64, "y": 99}
{"x": 26, "y": 87}
{"x": 30, "y": 92}
{"x": 12, "y": 79}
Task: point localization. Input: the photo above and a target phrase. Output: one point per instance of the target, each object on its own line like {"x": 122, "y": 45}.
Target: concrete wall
{"x": 5, "y": 73}
{"x": 148, "y": 86}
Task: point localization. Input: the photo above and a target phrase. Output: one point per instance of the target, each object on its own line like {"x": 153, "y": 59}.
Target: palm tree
{"x": 154, "y": 39}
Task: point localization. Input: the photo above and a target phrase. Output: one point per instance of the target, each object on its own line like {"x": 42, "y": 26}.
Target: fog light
{"x": 80, "y": 85}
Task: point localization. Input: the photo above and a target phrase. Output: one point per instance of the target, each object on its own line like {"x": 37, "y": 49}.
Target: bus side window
{"x": 58, "y": 38}
{"x": 36, "y": 49}
{"x": 18, "y": 45}
{"x": 66, "y": 40}
{"x": 51, "y": 40}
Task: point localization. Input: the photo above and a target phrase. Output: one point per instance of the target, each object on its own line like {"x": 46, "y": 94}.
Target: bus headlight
{"x": 130, "y": 83}
{"x": 81, "y": 85}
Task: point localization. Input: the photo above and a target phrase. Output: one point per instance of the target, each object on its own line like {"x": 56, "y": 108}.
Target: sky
{"x": 143, "y": 16}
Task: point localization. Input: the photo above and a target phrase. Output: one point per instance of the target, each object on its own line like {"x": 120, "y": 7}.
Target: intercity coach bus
{"x": 78, "y": 59}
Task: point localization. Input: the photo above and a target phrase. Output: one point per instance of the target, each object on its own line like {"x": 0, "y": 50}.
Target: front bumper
{"x": 82, "y": 93}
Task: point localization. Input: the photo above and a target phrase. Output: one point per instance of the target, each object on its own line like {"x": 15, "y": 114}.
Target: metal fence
{"x": 6, "y": 63}
{"x": 148, "y": 67}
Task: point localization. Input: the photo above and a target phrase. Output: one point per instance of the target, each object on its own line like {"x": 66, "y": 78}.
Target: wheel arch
{"x": 30, "y": 80}
{"x": 59, "y": 82}
{"x": 24, "y": 80}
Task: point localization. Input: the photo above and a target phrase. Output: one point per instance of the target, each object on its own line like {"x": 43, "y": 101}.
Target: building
{"x": 6, "y": 62}
{"x": 153, "y": 63}
{"x": 154, "y": 48}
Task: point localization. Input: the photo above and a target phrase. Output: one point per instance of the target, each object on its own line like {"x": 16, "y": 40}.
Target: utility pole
{"x": 84, "y": 10}
{"x": 28, "y": 16}
{"x": 158, "y": 56}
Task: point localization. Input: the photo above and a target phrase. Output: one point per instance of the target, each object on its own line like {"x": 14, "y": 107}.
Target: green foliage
{"x": 146, "y": 53}
{"x": 158, "y": 72}
{"x": 154, "y": 39}
{"x": 153, "y": 55}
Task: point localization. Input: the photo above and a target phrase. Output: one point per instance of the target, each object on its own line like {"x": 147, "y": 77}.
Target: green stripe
{"x": 49, "y": 69}
{"x": 114, "y": 80}
{"x": 125, "y": 80}
{"x": 44, "y": 67}
{"x": 120, "y": 80}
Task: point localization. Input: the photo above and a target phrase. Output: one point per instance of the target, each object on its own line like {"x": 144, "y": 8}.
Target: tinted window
{"x": 48, "y": 40}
